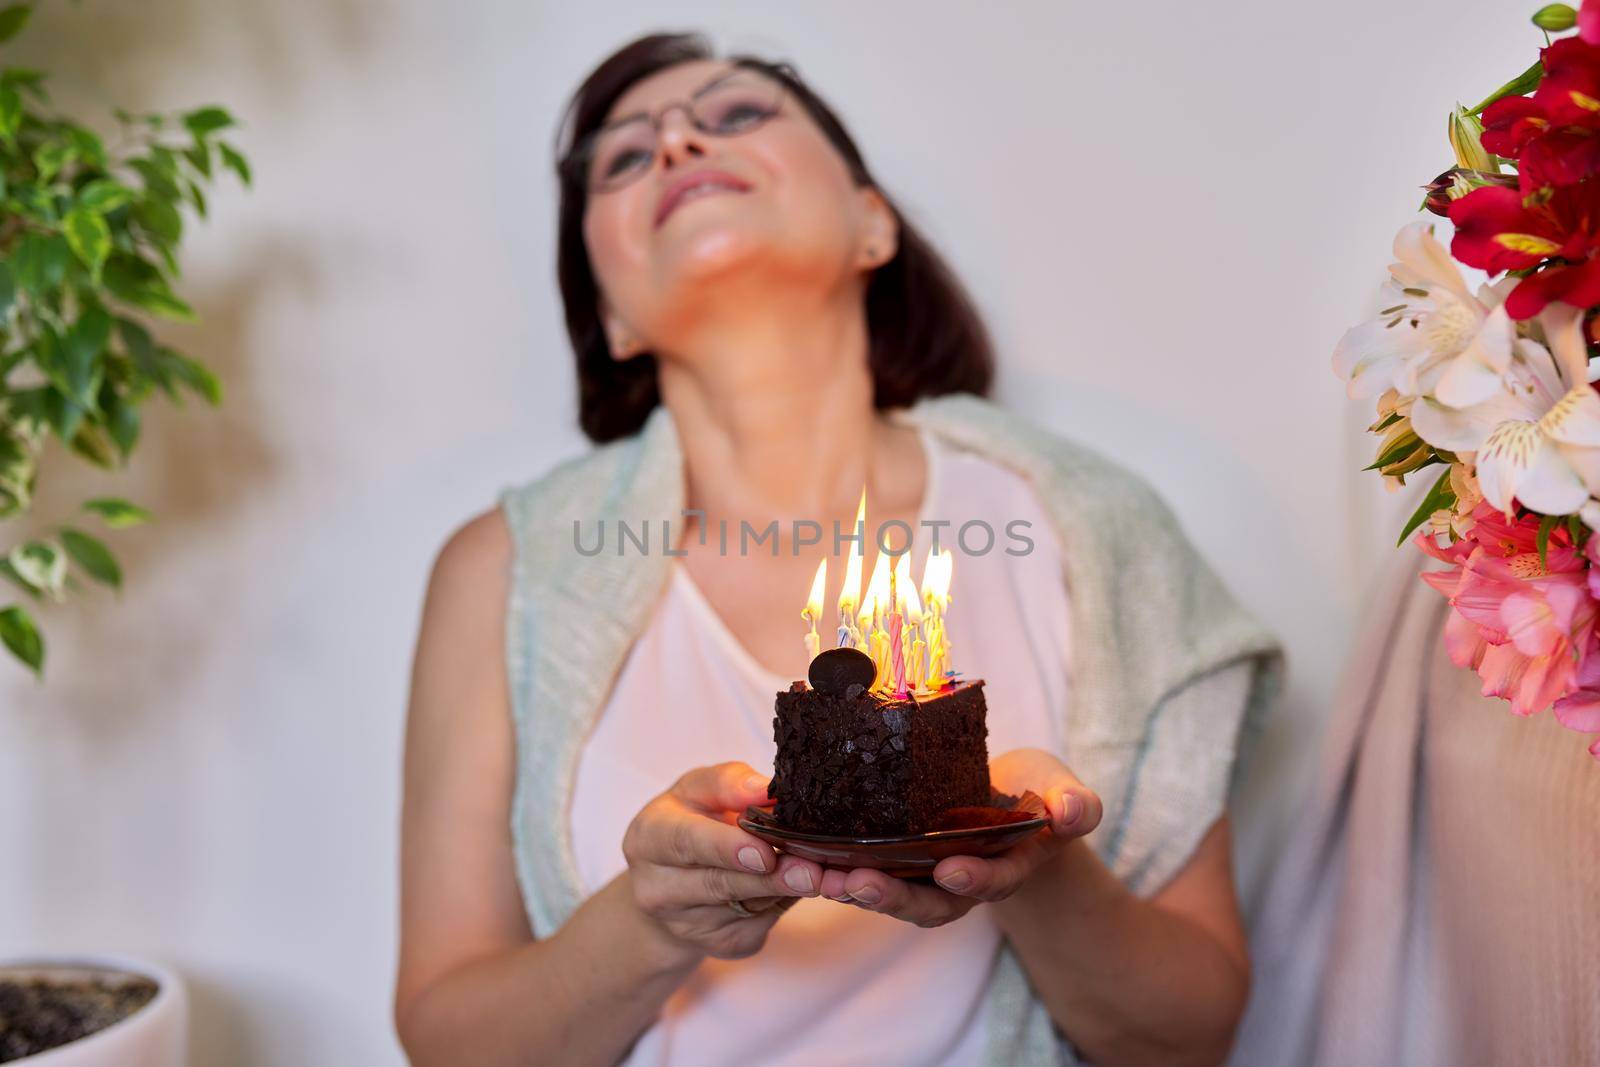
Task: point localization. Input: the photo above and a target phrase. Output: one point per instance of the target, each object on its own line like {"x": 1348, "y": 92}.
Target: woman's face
{"x": 792, "y": 216}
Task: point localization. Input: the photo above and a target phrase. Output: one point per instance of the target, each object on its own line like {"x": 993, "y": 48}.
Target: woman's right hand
{"x": 687, "y": 861}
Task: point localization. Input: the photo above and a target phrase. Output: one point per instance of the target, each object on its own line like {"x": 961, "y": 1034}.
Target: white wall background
{"x": 1168, "y": 211}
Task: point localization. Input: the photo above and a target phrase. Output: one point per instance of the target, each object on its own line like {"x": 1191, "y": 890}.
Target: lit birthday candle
{"x": 936, "y": 575}
{"x": 850, "y": 595}
{"x": 874, "y": 620}
{"x": 905, "y": 637}
{"x": 916, "y": 652}
{"x": 813, "y": 610}
{"x": 897, "y": 657}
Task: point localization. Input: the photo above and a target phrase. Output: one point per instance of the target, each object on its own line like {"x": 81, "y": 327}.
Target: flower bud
{"x": 1466, "y": 140}
{"x": 1455, "y": 183}
{"x": 1401, "y": 452}
{"x": 1555, "y": 18}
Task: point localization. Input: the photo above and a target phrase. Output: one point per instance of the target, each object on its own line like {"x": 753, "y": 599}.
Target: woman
{"x": 759, "y": 334}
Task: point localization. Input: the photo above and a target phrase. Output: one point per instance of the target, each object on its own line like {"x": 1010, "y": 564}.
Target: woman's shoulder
{"x": 473, "y": 565}
{"x": 557, "y": 488}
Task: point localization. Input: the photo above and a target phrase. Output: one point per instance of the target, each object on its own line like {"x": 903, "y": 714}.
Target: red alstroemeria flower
{"x": 1510, "y": 123}
{"x": 1561, "y": 157}
{"x": 1500, "y": 229}
{"x": 1555, "y": 133}
{"x": 1569, "y": 92}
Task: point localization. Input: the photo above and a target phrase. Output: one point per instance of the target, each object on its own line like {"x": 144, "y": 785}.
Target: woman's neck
{"x": 774, "y": 411}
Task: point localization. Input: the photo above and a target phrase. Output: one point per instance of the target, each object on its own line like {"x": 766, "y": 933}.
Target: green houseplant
{"x": 89, "y": 234}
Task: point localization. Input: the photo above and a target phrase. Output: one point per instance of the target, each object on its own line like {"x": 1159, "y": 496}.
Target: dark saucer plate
{"x": 977, "y": 831}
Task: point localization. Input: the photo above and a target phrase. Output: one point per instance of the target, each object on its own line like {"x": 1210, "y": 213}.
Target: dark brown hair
{"x": 925, "y": 336}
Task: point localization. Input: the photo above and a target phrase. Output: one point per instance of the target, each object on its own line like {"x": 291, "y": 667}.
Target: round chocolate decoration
{"x": 836, "y": 669}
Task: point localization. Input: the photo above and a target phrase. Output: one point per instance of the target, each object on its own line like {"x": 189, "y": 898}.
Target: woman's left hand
{"x": 963, "y": 881}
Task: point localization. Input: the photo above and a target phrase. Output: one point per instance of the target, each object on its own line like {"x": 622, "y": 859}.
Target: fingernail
{"x": 753, "y": 859}
{"x": 756, "y": 783}
{"x": 798, "y": 879}
{"x": 1071, "y": 808}
{"x": 867, "y": 894}
{"x": 955, "y": 881}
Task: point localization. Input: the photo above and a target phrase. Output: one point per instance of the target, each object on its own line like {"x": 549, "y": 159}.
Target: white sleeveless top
{"x": 834, "y": 984}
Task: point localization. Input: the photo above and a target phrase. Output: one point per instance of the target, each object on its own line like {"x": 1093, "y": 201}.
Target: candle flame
{"x": 850, "y": 595}
{"x": 877, "y": 598}
{"x": 819, "y": 585}
{"x": 936, "y": 575}
{"x": 904, "y": 591}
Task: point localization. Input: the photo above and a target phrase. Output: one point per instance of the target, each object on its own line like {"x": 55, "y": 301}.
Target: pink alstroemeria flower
{"x": 1589, "y": 21}
{"x": 1580, "y": 709}
{"x": 1522, "y": 625}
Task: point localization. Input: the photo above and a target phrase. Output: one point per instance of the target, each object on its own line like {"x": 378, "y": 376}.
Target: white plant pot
{"x": 157, "y": 1035}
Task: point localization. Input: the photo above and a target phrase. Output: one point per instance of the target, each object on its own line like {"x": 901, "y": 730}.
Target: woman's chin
{"x": 708, "y": 250}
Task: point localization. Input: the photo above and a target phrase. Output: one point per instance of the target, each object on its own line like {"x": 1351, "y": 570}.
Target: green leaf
{"x": 127, "y": 275}
{"x": 10, "y": 114}
{"x": 41, "y": 565}
{"x": 8, "y": 289}
{"x": 89, "y": 237}
{"x": 1577, "y": 531}
{"x": 199, "y": 155}
{"x": 160, "y": 218}
{"x": 207, "y": 120}
{"x": 95, "y": 445}
{"x": 116, "y": 512}
{"x": 234, "y": 161}
{"x": 1542, "y": 540}
{"x": 161, "y": 301}
{"x": 9, "y": 573}
{"x": 93, "y": 556}
{"x": 137, "y": 340}
{"x": 80, "y": 351}
{"x": 28, "y": 80}
{"x": 135, "y": 281}
{"x": 156, "y": 179}
{"x": 51, "y": 157}
{"x": 1440, "y": 496}
{"x": 88, "y": 145}
{"x": 122, "y": 423}
{"x": 40, "y": 261}
{"x": 1521, "y": 85}
{"x": 12, "y": 19}
{"x": 104, "y": 195}
{"x": 31, "y": 408}
{"x": 52, "y": 407}
{"x": 36, "y": 202}
{"x": 21, "y": 636}
{"x": 1398, "y": 451}
{"x": 17, "y": 469}
{"x": 193, "y": 374}
{"x": 198, "y": 198}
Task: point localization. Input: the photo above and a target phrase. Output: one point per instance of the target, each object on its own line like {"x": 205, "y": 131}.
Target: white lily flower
{"x": 1537, "y": 438}
{"x": 1433, "y": 334}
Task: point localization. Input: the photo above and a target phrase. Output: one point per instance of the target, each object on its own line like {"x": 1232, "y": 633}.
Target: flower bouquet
{"x": 1495, "y": 384}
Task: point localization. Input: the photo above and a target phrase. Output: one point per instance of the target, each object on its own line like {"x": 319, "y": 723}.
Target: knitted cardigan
{"x": 1149, "y": 619}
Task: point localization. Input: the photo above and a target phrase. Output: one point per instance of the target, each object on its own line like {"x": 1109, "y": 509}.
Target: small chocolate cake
{"x": 861, "y": 763}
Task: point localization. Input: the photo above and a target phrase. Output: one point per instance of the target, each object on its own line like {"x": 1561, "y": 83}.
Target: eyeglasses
{"x": 624, "y": 150}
